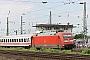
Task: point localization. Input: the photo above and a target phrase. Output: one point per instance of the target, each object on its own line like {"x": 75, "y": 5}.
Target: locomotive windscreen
{"x": 67, "y": 36}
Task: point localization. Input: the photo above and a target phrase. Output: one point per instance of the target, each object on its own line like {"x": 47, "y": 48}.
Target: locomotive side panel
{"x": 46, "y": 41}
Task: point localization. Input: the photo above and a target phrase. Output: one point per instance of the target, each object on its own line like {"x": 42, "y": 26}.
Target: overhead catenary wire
{"x": 45, "y": 8}
{"x": 40, "y": 2}
{"x": 45, "y": 15}
{"x": 37, "y": 10}
{"x": 57, "y": 13}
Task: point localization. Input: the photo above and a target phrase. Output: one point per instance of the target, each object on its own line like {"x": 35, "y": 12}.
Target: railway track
{"x": 25, "y": 55}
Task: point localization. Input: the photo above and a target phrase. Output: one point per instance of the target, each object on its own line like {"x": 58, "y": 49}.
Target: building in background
{"x": 54, "y": 27}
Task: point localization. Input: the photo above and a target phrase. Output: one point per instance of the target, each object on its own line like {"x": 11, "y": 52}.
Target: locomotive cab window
{"x": 67, "y": 36}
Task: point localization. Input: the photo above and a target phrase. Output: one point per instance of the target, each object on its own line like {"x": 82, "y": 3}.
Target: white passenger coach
{"x": 16, "y": 40}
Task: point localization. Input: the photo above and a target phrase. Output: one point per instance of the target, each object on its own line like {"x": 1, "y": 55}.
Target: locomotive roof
{"x": 53, "y": 33}
{"x": 47, "y": 34}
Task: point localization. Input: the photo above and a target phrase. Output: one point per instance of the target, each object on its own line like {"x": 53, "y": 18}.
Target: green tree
{"x": 77, "y": 36}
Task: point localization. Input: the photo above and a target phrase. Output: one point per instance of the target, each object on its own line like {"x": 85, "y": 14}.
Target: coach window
{"x": 24, "y": 40}
{"x": 14, "y": 40}
{"x": 20, "y": 40}
{"x": 2, "y": 40}
{"x": 10, "y": 40}
{"x": 27, "y": 39}
{"x": 6, "y": 40}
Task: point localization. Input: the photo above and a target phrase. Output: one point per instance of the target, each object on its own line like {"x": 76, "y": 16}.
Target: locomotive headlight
{"x": 63, "y": 45}
{"x": 71, "y": 40}
{"x": 66, "y": 41}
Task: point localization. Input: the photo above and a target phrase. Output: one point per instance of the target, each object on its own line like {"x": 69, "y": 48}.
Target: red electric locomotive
{"x": 60, "y": 40}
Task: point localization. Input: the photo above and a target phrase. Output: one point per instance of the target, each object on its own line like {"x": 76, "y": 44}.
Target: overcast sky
{"x": 34, "y": 11}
